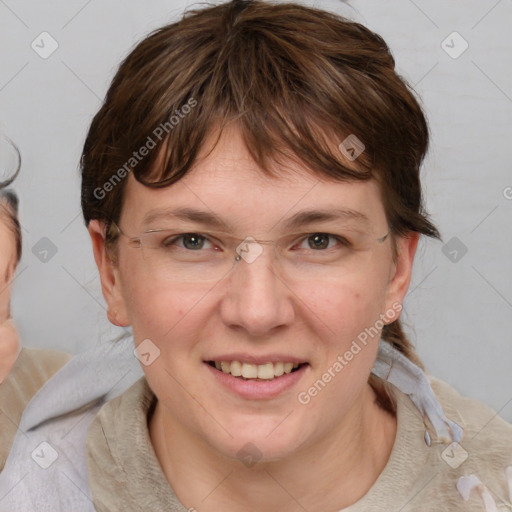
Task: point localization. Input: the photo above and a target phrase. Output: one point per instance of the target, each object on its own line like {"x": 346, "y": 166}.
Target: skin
{"x": 321, "y": 456}
{"x": 9, "y": 337}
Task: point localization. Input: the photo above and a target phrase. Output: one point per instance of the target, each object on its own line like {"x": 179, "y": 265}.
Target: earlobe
{"x": 109, "y": 276}
{"x": 400, "y": 276}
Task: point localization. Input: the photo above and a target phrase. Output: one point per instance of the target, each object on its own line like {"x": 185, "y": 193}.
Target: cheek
{"x": 346, "y": 318}
{"x": 152, "y": 310}
{"x": 166, "y": 313}
{"x": 142, "y": 301}
{"x": 348, "y": 306}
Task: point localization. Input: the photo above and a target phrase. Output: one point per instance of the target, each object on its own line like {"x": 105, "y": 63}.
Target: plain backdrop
{"x": 456, "y": 54}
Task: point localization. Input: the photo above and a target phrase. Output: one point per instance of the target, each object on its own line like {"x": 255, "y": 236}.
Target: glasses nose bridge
{"x": 257, "y": 278}
{"x": 251, "y": 249}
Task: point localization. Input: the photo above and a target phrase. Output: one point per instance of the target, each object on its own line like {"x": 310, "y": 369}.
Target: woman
{"x": 22, "y": 370}
{"x": 251, "y": 189}
{"x": 10, "y": 253}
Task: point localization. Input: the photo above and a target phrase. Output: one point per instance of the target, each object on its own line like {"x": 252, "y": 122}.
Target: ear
{"x": 109, "y": 275}
{"x": 400, "y": 272}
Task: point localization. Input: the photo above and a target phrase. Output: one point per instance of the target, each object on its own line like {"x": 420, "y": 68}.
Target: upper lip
{"x": 252, "y": 359}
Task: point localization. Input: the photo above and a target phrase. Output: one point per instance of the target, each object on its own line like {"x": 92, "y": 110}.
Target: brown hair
{"x": 294, "y": 78}
{"x": 9, "y": 213}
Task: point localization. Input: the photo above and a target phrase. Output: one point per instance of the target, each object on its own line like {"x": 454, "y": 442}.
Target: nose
{"x": 257, "y": 300}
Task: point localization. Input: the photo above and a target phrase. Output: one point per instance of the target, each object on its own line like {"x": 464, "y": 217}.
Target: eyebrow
{"x": 299, "y": 219}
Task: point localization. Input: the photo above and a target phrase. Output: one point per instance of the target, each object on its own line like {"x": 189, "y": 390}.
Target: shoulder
{"x": 53, "y": 428}
{"x": 30, "y": 371}
{"x": 119, "y": 452}
{"x": 431, "y": 473}
{"x": 119, "y": 418}
{"x": 483, "y": 458}
{"x": 480, "y": 422}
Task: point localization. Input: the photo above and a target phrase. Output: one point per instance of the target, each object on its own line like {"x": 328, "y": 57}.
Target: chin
{"x": 265, "y": 442}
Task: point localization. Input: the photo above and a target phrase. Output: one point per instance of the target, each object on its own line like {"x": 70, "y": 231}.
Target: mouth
{"x": 257, "y": 372}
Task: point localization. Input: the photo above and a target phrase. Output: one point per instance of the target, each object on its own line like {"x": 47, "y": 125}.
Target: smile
{"x": 250, "y": 371}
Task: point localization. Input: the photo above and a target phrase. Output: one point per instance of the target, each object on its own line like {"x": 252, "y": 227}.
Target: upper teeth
{"x": 255, "y": 371}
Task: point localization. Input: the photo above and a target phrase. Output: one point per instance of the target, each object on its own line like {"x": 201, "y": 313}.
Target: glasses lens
{"x": 177, "y": 256}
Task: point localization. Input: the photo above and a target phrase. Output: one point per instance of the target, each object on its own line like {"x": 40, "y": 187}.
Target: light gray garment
{"x": 55, "y": 424}
{"x": 56, "y": 421}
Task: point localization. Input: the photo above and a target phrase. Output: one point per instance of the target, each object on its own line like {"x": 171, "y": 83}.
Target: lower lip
{"x": 253, "y": 389}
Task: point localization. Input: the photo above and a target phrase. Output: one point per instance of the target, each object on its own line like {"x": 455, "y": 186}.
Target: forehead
{"x": 227, "y": 182}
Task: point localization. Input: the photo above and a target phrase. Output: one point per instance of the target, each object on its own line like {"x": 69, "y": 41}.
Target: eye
{"x": 322, "y": 241}
{"x": 191, "y": 241}
{"x": 318, "y": 241}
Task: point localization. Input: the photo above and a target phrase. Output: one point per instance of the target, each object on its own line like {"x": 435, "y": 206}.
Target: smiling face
{"x": 258, "y": 312}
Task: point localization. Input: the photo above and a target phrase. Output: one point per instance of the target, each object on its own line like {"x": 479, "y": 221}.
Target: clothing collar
{"x": 392, "y": 366}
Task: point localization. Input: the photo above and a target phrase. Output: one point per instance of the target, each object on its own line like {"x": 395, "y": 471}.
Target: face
{"x": 9, "y": 338}
{"x": 7, "y": 259}
{"x": 257, "y": 312}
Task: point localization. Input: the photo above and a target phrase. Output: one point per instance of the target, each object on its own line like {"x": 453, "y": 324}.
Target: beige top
{"x": 30, "y": 371}
{"x": 124, "y": 473}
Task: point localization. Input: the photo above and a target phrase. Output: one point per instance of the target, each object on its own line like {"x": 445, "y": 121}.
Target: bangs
{"x": 292, "y": 94}
{"x": 269, "y": 138}
{"x": 298, "y": 82}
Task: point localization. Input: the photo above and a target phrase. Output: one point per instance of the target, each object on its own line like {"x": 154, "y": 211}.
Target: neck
{"x": 347, "y": 462}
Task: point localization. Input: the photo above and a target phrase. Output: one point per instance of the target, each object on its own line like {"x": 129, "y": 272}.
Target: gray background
{"x": 459, "y": 307}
